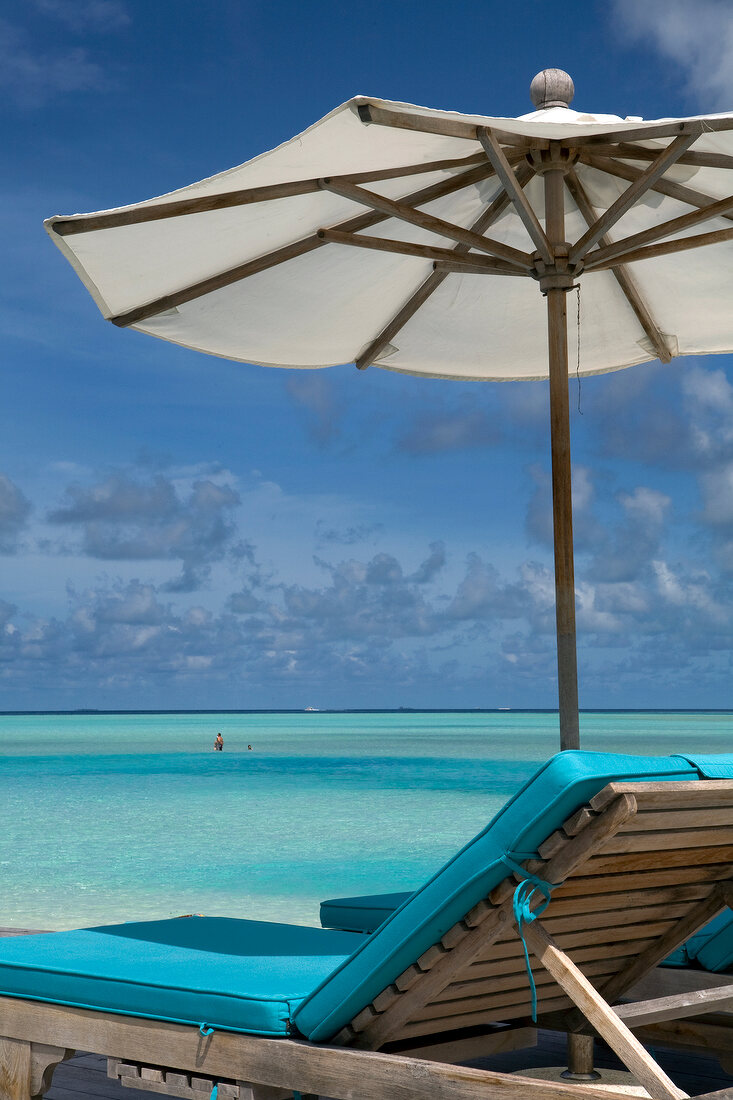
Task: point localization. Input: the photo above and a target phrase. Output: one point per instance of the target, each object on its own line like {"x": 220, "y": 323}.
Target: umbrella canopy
{"x": 441, "y": 244}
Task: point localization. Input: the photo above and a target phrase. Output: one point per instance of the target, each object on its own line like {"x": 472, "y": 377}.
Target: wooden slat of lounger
{"x": 582, "y": 955}
{"x": 652, "y": 861}
{"x": 667, "y": 795}
{"x": 629, "y": 899}
{"x": 659, "y": 820}
{"x": 632, "y": 924}
{"x": 487, "y": 985}
{"x": 600, "y": 969}
{"x": 662, "y": 841}
{"x": 453, "y": 1021}
{"x": 521, "y": 997}
{"x": 625, "y": 934}
{"x": 477, "y": 999}
{"x": 507, "y": 962}
{"x": 594, "y": 885}
{"x": 614, "y": 916}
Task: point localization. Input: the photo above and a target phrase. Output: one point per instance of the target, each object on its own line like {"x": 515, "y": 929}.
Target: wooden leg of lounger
{"x": 26, "y": 1069}
{"x": 600, "y": 1015}
{"x": 44, "y": 1060}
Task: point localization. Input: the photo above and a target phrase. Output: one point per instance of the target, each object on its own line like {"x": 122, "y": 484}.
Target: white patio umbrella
{"x": 425, "y": 241}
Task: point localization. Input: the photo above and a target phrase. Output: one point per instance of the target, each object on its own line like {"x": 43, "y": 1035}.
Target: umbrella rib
{"x": 664, "y": 229}
{"x": 445, "y": 127}
{"x": 521, "y": 203}
{"x": 457, "y": 128}
{"x": 436, "y": 278}
{"x": 623, "y": 278}
{"x": 289, "y": 251}
{"x": 629, "y": 151}
{"x": 485, "y": 264}
{"x": 663, "y": 187}
{"x": 664, "y": 160}
{"x": 429, "y": 222}
{"x": 400, "y": 319}
{"x": 88, "y": 223}
{"x": 690, "y": 126}
{"x": 665, "y": 248}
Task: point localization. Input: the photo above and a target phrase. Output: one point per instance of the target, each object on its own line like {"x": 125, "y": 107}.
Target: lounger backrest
{"x": 434, "y": 920}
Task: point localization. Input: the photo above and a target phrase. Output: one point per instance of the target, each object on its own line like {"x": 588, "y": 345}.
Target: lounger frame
{"x": 706, "y": 1034}
{"x": 633, "y": 848}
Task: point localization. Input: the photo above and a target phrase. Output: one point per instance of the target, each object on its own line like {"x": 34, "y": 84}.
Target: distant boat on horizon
{"x": 312, "y": 710}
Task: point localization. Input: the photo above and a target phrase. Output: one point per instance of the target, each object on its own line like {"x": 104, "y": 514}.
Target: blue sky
{"x": 180, "y": 531}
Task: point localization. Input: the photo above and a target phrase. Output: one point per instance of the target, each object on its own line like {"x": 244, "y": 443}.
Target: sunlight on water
{"x": 114, "y": 817}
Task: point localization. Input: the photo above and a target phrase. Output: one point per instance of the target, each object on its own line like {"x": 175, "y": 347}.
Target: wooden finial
{"x": 552, "y": 88}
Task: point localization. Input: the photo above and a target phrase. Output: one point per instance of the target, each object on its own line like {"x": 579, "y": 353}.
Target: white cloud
{"x": 100, "y": 16}
{"x": 31, "y": 75}
{"x": 717, "y": 491}
{"x": 694, "y": 593}
{"x": 695, "y": 35}
{"x": 646, "y": 506}
{"x": 129, "y": 517}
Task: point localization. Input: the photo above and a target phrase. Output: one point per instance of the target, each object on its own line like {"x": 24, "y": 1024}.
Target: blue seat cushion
{"x": 362, "y": 914}
{"x": 239, "y": 975}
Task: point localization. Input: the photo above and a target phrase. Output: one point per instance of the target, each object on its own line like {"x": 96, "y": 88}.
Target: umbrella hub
{"x": 552, "y": 156}
{"x": 561, "y": 274}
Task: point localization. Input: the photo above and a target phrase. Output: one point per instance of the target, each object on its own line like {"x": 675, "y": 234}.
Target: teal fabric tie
{"x": 205, "y": 1030}
{"x": 214, "y": 1091}
{"x": 523, "y": 914}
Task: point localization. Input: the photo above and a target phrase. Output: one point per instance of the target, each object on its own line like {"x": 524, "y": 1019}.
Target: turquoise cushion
{"x": 713, "y": 947}
{"x": 362, "y": 914}
{"x": 556, "y": 791}
{"x": 710, "y": 948}
{"x": 240, "y": 975}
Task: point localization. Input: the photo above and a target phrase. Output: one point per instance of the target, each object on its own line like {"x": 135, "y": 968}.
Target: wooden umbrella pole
{"x": 562, "y": 506}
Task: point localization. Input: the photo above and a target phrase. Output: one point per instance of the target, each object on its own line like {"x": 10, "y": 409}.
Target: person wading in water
{"x": 219, "y": 743}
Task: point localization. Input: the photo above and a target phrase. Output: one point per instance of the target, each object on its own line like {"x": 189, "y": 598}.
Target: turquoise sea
{"x": 110, "y": 817}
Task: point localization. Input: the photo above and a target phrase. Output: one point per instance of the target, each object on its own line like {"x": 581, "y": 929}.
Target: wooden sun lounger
{"x": 642, "y": 866}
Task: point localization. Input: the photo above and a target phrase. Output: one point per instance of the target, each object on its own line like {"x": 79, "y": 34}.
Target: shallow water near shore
{"x": 133, "y": 816}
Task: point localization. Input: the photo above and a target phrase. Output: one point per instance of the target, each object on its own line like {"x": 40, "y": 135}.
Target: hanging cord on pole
{"x": 577, "y": 371}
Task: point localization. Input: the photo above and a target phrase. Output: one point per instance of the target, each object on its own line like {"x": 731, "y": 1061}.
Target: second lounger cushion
{"x": 713, "y": 947}
{"x": 362, "y": 914}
